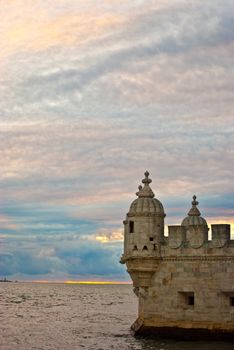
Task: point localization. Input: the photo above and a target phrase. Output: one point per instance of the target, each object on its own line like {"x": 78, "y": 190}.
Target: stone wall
{"x": 189, "y": 293}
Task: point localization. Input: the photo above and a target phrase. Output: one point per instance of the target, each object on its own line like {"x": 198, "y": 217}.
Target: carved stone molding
{"x": 146, "y": 214}
{"x": 199, "y": 258}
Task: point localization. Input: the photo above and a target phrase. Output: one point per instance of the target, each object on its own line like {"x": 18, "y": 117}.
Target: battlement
{"x": 181, "y": 241}
{"x": 221, "y": 235}
{"x": 196, "y": 236}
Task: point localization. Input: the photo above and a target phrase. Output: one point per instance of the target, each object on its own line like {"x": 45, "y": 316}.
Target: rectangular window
{"x": 190, "y": 299}
{"x": 186, "y": 299}
{"x": 131, "y": 226}
{"x": 228, "y": 298}
{"x": 151, "y": 239}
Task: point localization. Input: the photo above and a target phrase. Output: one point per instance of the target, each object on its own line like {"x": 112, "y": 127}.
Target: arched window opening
{"x": 135, "y": 247}
{"x": 145, "y": 247}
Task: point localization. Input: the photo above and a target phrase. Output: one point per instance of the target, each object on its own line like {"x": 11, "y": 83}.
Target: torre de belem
{"x": 184, "y": 281}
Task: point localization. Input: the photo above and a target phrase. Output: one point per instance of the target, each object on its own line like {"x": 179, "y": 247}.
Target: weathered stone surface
{"x": 184, "y": 282}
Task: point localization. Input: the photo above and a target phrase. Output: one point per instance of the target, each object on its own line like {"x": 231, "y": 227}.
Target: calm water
{"x": 59, "y": 316}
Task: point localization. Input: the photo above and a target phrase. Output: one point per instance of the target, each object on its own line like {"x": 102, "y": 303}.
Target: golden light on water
{"x": 96, "y": 282}
{"x": 82, "y": 282}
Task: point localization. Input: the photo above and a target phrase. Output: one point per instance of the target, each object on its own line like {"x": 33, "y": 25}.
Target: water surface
{"x": 65, "y": 316}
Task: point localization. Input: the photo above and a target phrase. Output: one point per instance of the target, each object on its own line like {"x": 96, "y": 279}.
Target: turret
{"x": 144, "y": 224}
{"x": 196, "y": 226}
{"x": 143, "y": 234}
{"x": 194, "y": 215}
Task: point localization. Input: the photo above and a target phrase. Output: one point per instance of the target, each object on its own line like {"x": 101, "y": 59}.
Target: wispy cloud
{"x": 91, "y": 95}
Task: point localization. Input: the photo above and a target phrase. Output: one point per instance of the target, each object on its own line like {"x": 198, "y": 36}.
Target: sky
{"x": 92, "y": 94}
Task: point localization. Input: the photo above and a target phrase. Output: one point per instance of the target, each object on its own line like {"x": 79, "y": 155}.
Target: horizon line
{"x": 79, "y": 282}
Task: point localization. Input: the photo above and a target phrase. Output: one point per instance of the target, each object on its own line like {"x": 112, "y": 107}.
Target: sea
{"x": 43, "y": 316}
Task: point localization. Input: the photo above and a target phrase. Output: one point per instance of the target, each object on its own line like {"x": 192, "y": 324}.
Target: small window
{"x": 131, "y": 226}
{"x": 151, "y": 239}
{"x": 145, "y": 247}
{"x": 229, "y": 297}
{"x": 186, "y": 299}
{"x": 135, "y": 247}
{"x": 191, "y": 300}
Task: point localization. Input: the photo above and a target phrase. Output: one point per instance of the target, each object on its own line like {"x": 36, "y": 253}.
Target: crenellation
{"x": 220, "y": 235}
{"x": 184, "y": 282}
{"x": 176, "y": 236}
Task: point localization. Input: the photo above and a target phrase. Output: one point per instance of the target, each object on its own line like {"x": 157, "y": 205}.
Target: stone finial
{"x": 139, "y": 188}
{"x": 194, "y": 211}
{"x": 145, "y": 191}
{"x": 194, "y": 202}
{"x": 146, "y": 180}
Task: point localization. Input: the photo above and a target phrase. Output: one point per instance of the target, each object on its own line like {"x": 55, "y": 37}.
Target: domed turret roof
{"x": 194, "y": 215}
{"x": 146, "y": 204}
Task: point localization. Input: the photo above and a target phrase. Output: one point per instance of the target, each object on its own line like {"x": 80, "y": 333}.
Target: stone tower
{"x": 143, "y": 233}
{"x": 184, "y": 281}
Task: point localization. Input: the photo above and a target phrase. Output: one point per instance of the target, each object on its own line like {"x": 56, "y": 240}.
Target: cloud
{"x": 23, "y": 262}
{"x": 73, "y": 258}
{"x": 6, "y": 223}
{"x": 91, "y": 97}
{"x": 178, "y": 45}
{"x": 105, "y": 236}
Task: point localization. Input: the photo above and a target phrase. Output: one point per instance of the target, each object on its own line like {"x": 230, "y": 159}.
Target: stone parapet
{"x": 220, "y": 235}
{"x": 193, "y": 240}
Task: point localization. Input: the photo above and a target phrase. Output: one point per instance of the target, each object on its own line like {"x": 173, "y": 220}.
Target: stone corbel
{"x": 141, "y": 292}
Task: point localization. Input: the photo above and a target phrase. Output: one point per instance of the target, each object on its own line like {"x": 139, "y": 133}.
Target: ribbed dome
{"x": 146, "y": 204}
{"x": 194, "y": 217}
{"x": 193, "y": 220}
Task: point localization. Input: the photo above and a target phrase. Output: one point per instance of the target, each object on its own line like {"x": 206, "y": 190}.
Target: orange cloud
{"x": 106, "y": 237}
{"x": 35, "y": 29}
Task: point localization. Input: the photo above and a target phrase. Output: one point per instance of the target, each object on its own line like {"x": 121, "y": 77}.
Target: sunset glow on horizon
{"x": 96, "y": 282}
{"x": 82, "y": 282}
